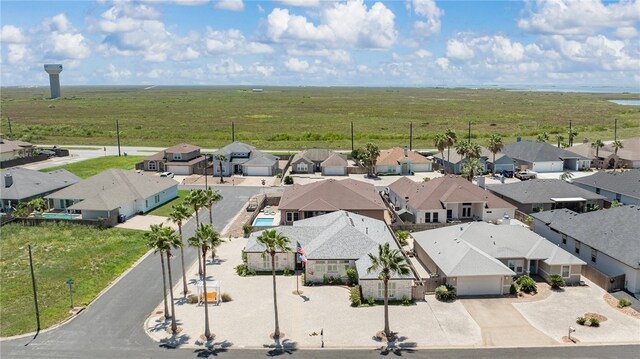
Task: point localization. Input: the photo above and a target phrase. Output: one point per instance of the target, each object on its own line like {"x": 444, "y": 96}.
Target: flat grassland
{"x": 305, "y": 117}
{"x": 91, "y": 167}
{"x": 92, "y": 257}
{"x": 166, "y": 209}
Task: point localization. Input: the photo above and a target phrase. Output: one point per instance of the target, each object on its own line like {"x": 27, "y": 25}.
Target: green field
{"x": 303, "y": 117}
{"x": 88, "y": 168}
{"x": 92, "y": 257}
{"x": 165, "y": 209}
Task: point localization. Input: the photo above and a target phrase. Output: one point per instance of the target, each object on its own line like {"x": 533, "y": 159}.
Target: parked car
{"x": 525, "y": 175}
{"x": 508, "y": 174}
{"x": 167, "y": 174}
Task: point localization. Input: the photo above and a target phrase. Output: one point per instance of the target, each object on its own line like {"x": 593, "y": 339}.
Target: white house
{"x": 623, "y": 187}
{"x": 544, "y": 157}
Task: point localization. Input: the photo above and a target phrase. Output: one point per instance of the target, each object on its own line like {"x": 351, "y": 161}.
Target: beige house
{"x": 605, "y": 157}
{"x": 402, "y": 161}
{"x": 481, "y": 258}
{"x": 446, "y": 199}
{"x": 318, "y": 160}
{"x": 334, "y": 243}
{"x": 305, "y": 201}
{"x": 14, "y": 149}
{"x": 181, "y": 159}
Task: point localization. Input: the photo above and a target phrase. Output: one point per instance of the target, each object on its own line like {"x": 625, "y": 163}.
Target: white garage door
{"x": 179, "y": 170}
{"x": 334, "y": 171}
{"x": 482, "y": 285}
{"x": 547, "y": 167}
{"x": 257, "y": 171}
{"x": 421, "y": 167}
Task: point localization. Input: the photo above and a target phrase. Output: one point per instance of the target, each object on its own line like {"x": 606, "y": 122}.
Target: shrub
{"x": 527, "y": 284}
{"x": 192, "y": 299}
{"x": 371, "y": 301}
{"x": 515, "y": 288}
{"x": 623, "y": 302}
{"x": 581, "y": 320}
{"x": 594, "y": 322}
{"x": 405, "y": 300}
{"x": 355, "y": 296}
{"x": 336, "y": 280}
{"x": 352, "y": 275}
{"x": 426, "y": 179}
{"x": 287, "y": 272}
{"x": 302, "y": 278}
{"x": 288, "y": 180}
{"x": 402, "y": 237}
{"x": 325, "y": 280}
{"x": 446, "y": 293}
{"x": 244, "y": 271}
{"x": 246, "y": 229}
{"x": 226, "y": 297}
{"x": 556, "y": 281}
{"x": 244, "y": 257}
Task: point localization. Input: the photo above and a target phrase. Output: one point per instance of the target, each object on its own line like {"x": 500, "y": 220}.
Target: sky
{"x": 322, "y": 43}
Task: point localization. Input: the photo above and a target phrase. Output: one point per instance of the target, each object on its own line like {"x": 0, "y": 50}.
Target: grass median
{"x": 91, "y": 167}
{"x": 92, "y": 257}
{"x": 165, "y": 209}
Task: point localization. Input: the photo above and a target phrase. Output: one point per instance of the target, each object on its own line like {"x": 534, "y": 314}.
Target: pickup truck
{"x": 525, "y": 175}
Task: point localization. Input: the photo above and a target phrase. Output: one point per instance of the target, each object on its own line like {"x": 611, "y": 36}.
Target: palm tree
{"x": 196, "y": 199}
{"x": 221, "y": 158}
{"x": 152, "y": 241}
{"x": 617, "y": 145}
{"x": 178, "y": 215}
{"x": 371, "y": 157}
{"x": 462, "y": 148}
{"x": 572, "y": 134}
{"x": 163, "y": 239}
{"x": 474, "y": 150}
{"x": 471, "y": 168}
{"x": 205, "y": 235}
{"x": 495, "y": 146}
{"x": 440, "y": 141}
{"x": 543, "y": 137}
{"x": 559, "y": 139}
{"x": 387, "y": 263}
{"x": 597, "y": 144}
{"x": 451, "y": 140}
{"x": 274, "y": 242}
{"x": 214, "y": 242}
{"x": 210, "y": 197}
{"x": 566, "y": 176}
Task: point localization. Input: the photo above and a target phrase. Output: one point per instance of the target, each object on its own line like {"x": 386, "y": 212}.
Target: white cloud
{"x": 585, "y": 17}
{"x": 226, "y": 66}
{"x": 295, "y": 65}
{"x": 300, "y": 3}
{"x": 430, "y": 11}
{"x": 422, "y": 53}
{"x": 187, "y": 55}
{"x": 191, "y": 2}
{"x": 626, "y": 32}
{"x": 443, "y": 63}
{"x": 336, "y": 56}
{"x": 115, "y": 74}
{"x": 18, "y": 53}
{"x": 232, "y": 41}
{"x": 231, "y": 5}
{"x": 264, "y": 70}
{"x": 459, "y": 50}
{"x": 342, "y": 25}
{"x": 63, "y": 41}
{"x": 12, "y": 34}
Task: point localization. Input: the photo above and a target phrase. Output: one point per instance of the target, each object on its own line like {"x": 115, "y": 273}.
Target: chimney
{"x": 406, "y": 151}
{"x": 8, "y": 180}
{"x": 480, "y": 181}
{"x": 506, "y": 219}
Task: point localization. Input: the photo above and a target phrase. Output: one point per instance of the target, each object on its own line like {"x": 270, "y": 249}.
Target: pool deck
{"x": 275, "y": 216}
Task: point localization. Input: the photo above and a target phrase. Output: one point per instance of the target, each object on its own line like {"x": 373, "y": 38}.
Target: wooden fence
{"x": 608, "y": 283}
{"x": 523, "y": 217}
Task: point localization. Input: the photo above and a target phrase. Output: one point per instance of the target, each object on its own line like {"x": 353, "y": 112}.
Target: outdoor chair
{"x": 212, "y": 297}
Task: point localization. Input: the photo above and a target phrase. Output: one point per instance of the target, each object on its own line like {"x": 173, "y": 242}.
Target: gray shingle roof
{"x": 29, "y": 183}
{"x": 313, "y": 155}
{"x": 256, "y": 158}
{"x": 537, "y": 152}
{"x": 626, "y": 182}
{"x": 541, "y": 191}
{"x": 614, "y": 231}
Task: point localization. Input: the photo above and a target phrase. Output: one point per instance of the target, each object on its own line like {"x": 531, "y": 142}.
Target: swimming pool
{"x": 58, "y": 215}
{"x": 262, "y": 222}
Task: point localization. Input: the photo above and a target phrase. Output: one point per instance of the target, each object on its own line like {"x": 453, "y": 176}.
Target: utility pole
{"x": 10, "y": 131}
{"x": 118, "y": 134}
{"x": 410, "y": 136}
{"x": 352, "y": 148}
{"x": 615, "y": 129}
{"x": 233, "y": 132}
{"x": 35, "y": 293}
{"x": 570, "y": 135}
{"x": 469, "y": 132}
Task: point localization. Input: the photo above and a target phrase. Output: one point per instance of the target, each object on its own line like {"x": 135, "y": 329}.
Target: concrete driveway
{"x": 555, "y": 314}
{"x": 502, "y": 325}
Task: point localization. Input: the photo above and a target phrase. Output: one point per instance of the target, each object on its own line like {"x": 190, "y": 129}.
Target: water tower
{"x": 54, "y": 71}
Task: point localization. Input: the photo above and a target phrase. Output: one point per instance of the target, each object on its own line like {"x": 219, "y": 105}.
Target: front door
{"x": 466, "y": 212}
{"x": 533, "y": 267}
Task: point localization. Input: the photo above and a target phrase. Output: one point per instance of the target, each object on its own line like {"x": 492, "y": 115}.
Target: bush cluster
{"x": 527, "y": 284}
{"x": 287, "y": 272}
{"x": 556, "y": 281}
{"x": 371, "y": 301}
{"x": 623, "y": 302}
{"x": 352, "y": 276}
{"x": 355, "y": 296}
{"x": 226, "y": 297}
{"x": 244, "y": 271}
{"x": 288, "y": 180}
{"x": 446, "y": 293}
{"x": 192, "y": 299}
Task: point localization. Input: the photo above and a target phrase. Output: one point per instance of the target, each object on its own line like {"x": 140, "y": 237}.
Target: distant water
{"x": 626, "y": 102}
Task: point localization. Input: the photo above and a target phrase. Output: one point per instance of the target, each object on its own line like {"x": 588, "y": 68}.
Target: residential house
{"x": 444, "y": 199}
{"x": 181, "y": 159}
{"x": 544, "y": 157}
{"x": 623, "y": 187}
{"x": 314, "y": 199}
{"x": 243, "y": 159}
{"x": 334, "y": 243}
{"x": 454, "y": 162}
{"x": 112, "y": 193}
{"x": 608, "y": 240}
{"x": 481, "y": 258}
{"x": 544, "y": 194}
{"x": 402, "y": 161}
{"x": 14, "y": 149}
{"x": 22, "y": 185}
{"x": 628, "y": 156}
{"x": 318, "y": 160}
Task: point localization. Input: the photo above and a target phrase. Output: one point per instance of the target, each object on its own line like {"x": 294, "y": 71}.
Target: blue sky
{"x": 313, "y": 42}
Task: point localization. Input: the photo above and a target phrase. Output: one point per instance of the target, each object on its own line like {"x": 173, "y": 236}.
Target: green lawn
{"x": 88, "y": 168}
{"x": 284, "y": 118}
{"x": 92, "y": 257}
{"x": 165, "y": 209}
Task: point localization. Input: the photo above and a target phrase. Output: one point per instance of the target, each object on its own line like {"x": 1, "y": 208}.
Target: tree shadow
{"x": 281, "y": 347}
{"x": 213, "y": 349}
{"x": 398, "y": 347}
{"x": 174, "y": 341}
{"x": 305, "y": 298}
{"x": 161, "y": 325}
{"x": 217, "y": 261}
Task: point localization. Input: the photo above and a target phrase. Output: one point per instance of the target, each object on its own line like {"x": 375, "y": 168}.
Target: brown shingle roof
{"x": 335, "y": 159}
{"x": 182, "y": 148}
{"x": 330, "y": 195}
{"x": 393, "y": 157}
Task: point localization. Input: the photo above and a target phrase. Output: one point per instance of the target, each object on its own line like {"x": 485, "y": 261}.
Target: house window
{"x": 434, "y": 218}
{"x": 594, "y": 254}
{"x": 597, "y": 190}
{"x": 320, "y": 267}
{"x": 346, "y": 265}
{"x": 332, "y": 266}
{"x": 266, "y": 261}
{"x": 146, "y": 203}
{"x": 157, "y": 198}
{"x": 152, "y": 165}
{"x": 392, "y": 289}
{"x": 577, "y": 247}
{"x": 565, "y": 271}
{"x": 292, "y": 216}
{"x": 618, "y": 197}
{"x": 564, "y": 239}
{"x": 177, "y": 156}
{"x": 302, "y": 167}
{"x": 449, "y": 213}
{"x": 516, "y": 265}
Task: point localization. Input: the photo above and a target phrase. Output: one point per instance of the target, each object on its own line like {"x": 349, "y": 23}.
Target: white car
{"x": 167, "y": 174}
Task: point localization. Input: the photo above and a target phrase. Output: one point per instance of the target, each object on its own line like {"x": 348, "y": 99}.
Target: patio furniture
{"x": 213, "y": 291}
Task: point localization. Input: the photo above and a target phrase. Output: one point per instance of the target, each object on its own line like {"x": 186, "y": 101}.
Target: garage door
{"x": 334, "y": 171}
{"x": 547, "y": 167}
{"x": 179, "y": 170}
{"x": 503, "y": 167}
{"x": 257, "y": 171}
{"x": 421, "y": 167}
{"x": 482, "y": 285}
